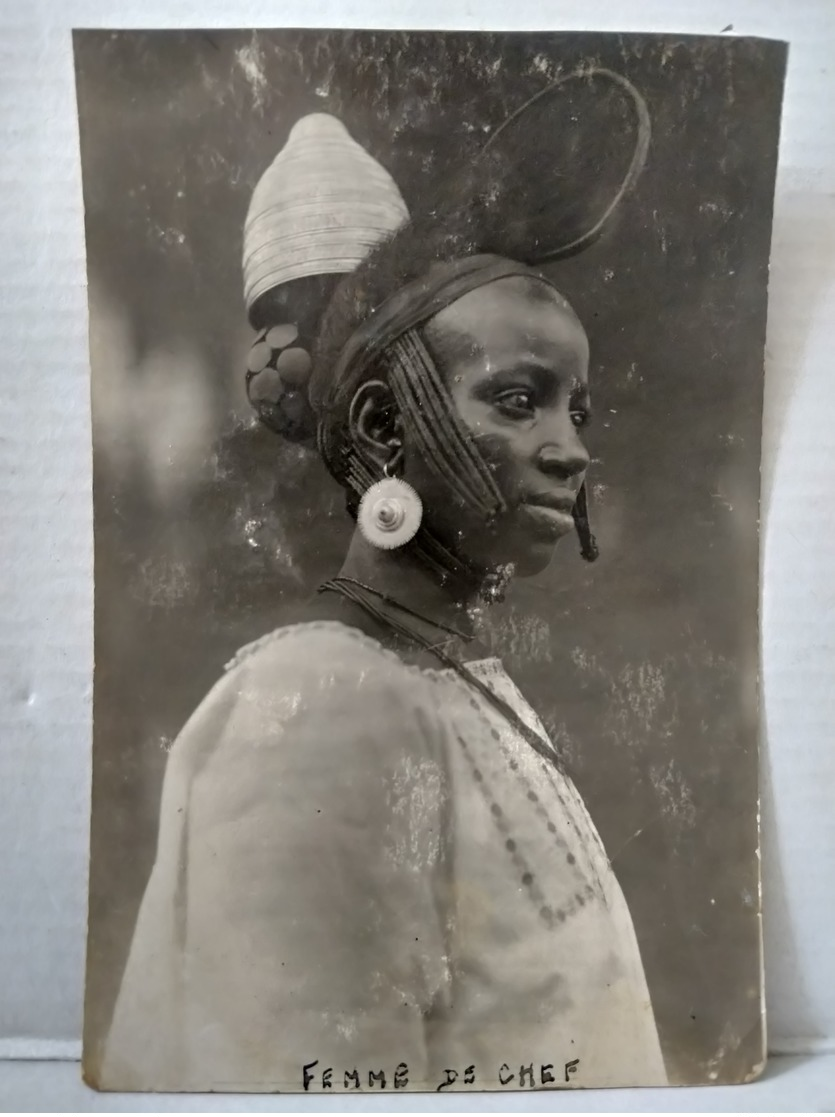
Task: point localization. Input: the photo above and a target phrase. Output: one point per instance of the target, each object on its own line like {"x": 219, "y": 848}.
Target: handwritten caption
{"x": 523, "y": 1077}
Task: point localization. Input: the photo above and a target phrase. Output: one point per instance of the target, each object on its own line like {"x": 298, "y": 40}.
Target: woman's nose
{"x": 564, "y": 459}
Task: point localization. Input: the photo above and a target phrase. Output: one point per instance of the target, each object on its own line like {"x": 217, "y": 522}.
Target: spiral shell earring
{"x": 390, "y": 513}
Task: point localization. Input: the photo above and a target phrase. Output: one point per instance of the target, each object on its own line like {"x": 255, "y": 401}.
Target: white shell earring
{"x": 390, "y": 513}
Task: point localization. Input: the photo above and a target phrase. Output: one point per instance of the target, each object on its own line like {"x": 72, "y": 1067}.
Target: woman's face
{"x": 515, "y": 359}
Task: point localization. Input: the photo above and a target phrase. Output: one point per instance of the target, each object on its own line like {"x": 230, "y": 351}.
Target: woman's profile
{"x": 370, "y": 857}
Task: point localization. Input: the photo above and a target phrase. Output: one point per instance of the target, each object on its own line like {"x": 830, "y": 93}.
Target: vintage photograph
{"x": 426, "y": 404}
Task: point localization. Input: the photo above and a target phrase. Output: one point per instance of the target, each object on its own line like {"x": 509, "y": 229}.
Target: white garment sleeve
{"x": 301, "y": 916}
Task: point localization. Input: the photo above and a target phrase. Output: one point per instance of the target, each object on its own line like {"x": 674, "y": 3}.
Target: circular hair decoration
{"x": 294, "y": 366}
{"x": 265, "y": 387}
{"x": 279, "y": 337}
{"x": 259, "y": 357}
{"x": 276, "y": 383}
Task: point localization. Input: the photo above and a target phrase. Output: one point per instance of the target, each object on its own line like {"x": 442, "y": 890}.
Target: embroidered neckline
{"x": 488, "y": 665}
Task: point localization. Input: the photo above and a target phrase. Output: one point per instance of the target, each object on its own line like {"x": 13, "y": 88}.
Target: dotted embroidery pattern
{"x": 532, "y": 888}
{"x": 552, "y": 916}
{"x": 571, "y": 814}
{"x": 586, "y": 889}
{"x": 572, "y": 821}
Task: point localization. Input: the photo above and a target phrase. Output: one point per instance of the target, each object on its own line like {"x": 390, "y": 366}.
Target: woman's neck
{"x": 400, "y": 574}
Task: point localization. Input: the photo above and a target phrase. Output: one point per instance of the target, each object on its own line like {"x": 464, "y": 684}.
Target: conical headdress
{"x": 319, "y": 208}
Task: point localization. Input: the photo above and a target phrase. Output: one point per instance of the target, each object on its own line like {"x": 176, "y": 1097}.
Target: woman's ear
{"x": 375, "y": 425}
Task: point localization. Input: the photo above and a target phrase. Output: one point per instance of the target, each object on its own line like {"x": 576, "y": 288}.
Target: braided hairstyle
{"x": 543, "y": 188}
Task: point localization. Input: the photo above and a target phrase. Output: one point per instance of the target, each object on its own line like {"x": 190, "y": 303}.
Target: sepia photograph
{"x": 427, "y": 375}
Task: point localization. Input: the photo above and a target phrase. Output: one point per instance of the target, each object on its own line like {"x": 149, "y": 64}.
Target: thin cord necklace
{"x": 343, "y": 579}
{"x": 353, "y": 591}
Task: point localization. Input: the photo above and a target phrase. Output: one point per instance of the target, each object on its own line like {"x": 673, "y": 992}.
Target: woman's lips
{"x": 553, "y": 519}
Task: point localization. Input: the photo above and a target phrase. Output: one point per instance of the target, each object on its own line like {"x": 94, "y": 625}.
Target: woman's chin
{"x": 521, "y": 545}
{"x": 534, "y": 559}
{"x": 534, "y": 537}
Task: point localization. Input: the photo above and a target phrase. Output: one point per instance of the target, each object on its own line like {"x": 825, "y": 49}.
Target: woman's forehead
{"x": 512, "y": 319}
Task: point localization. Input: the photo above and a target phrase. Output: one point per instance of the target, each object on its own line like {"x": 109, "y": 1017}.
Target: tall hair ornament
{"x": 318, "y": 210}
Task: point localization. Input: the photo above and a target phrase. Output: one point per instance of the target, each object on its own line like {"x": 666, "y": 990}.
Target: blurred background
{"x": 210, "y": 530}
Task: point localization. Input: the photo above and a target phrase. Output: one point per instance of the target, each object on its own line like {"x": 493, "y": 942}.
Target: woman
{"x": 370, "y": 860}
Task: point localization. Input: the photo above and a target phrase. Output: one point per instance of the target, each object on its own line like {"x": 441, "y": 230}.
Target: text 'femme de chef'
{"x": 525, "y": 1078}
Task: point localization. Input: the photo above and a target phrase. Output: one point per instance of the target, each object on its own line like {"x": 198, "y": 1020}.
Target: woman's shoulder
{"x": 321, "y": 651}
{"x": 299, "y": 695}
{"x": 314, "y": 677}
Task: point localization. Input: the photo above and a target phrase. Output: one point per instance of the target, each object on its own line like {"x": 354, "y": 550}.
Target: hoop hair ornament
{"x": 549, "y": 180}
{"x": 390, "y": 513}
{"x": 584, "y": 144}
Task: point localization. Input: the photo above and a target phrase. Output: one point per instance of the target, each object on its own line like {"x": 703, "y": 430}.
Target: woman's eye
{"x": 517, "y": 401}
{"x": 580, "y": 418}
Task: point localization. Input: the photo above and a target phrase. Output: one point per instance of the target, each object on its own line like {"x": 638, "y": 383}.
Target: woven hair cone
{"x": 318, "y": 209}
